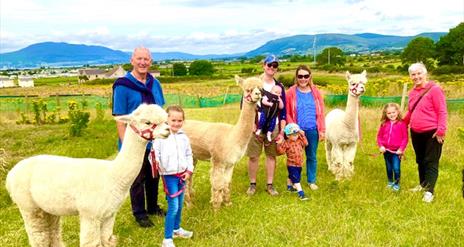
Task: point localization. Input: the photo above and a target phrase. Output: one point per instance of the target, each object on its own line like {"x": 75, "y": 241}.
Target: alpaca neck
{"x": 129, "y": 160}
{"x": 351, "y": 112}
{"x": 242, "y": 130}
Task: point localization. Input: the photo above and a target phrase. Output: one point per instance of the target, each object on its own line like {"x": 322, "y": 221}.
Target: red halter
{"x": 146, "y": 134}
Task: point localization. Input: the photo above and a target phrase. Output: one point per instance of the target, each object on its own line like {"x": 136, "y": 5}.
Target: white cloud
{"x": 213, "y": 26}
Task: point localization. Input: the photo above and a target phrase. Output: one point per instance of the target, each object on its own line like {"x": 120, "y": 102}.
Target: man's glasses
{"x": 303, "y": 76}
{"x": 273, "y": 65}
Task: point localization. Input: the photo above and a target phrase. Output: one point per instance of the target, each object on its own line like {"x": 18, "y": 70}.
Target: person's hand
{"x": 185, "y": 176}
{"x": 382, "y": 149}
{"x": 440, "y": 139}
{"x": 322, "y": 136}
{"x": 280, "y": 136}
{"x": 279, "y": 140}
{"x": 399, "y": 152}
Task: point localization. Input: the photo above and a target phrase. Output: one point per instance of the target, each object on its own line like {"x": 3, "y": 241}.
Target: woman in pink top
{"x": 392, "y": 139}
{"x": 427, "y": 119}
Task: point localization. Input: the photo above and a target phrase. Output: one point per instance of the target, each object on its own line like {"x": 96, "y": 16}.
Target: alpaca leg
{"x": 228, "y": 184}
{"x": 217, "y": 185}
{"x": 189, "y": 192}
{"x": 55, "y": 231}
{"x": 328, "y": 154}
{"x": 350, "y": 154}
{"x": 37, "y": 227}
{"x": 107, "y": 237}
{"x": 337, "y": 160}
{"x": 90, "y": 232}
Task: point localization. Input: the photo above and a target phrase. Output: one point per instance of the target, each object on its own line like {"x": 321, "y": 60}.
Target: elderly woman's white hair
{"x": 417, "y": 66}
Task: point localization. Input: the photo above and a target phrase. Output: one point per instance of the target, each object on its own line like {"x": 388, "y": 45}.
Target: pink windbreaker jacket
{"x": 393, "y": 135}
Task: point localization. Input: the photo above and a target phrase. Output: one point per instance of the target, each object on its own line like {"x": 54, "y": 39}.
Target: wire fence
{"x": 24, "y": 103}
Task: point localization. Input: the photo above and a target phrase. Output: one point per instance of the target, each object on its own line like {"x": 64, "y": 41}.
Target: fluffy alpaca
{"x": 224, "y": 144}
{"x": 46, "y": 187}
{"x": 342, "y": 130}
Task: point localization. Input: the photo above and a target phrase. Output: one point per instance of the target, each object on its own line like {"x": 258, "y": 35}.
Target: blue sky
{"x": 214, "y": 26}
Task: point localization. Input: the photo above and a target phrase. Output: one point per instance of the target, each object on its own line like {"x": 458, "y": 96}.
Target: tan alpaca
{"x": 342, "y": 130}
{"x": 224, "y": 144}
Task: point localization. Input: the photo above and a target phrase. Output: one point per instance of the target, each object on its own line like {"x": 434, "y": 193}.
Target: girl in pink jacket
{"x": 392, "y": 139}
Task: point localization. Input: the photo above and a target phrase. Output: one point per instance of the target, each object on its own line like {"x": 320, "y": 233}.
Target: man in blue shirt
{"x": 137, "y": 87}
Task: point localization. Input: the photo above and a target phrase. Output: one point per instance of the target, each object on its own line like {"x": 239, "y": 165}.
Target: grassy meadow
{"x": 360, "y": 212}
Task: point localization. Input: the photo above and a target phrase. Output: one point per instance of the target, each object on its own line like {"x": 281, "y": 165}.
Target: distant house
{"x": 6, "y": 81}
{"x": 155, "y": 73}
{"x": 93, "y": 74}
{"x": 25, "y": 81}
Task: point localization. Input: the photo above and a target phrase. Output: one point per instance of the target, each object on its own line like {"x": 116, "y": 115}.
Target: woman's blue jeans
{"x": 173, "y": 216}
{"x": 311, "y": 152}
{"x": 392, "y": 162}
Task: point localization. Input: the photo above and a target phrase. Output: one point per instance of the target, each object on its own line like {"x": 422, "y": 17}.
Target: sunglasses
{"x": 273, "y": 65}
{"x": 303, "y": 76}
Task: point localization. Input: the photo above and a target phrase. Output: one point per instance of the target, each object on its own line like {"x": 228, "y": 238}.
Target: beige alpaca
{"x": 224, "y": 144}
{"x": 46, "y": 187}
{"x": 342, "y": 130}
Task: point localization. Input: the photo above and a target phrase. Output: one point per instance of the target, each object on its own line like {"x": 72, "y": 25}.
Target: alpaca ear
{"x": 347, "y": 75}
{"x": 364, "y": 73}
{"x": 239, "y": 80}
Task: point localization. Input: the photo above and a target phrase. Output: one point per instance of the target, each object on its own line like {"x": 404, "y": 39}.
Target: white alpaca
{"x": 224, "y": 144}
{"x": 342, "y": 130}
{"x": 46, "y": 187}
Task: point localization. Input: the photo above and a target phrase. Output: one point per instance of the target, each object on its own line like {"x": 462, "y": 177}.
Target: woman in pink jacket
{"x": 392, "y": 139}
{"x": 305, "y": 107}
{"x": 426, "y": 116}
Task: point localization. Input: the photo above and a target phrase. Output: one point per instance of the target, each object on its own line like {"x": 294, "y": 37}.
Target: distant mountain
{"x": 61, "y": 54}
{"x": 55, "y": 54}
{"x": 364, "y": 42}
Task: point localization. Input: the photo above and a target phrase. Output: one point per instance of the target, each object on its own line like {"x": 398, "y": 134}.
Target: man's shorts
{"x": 294, "y": 173}
{"x": 255, "y": 146}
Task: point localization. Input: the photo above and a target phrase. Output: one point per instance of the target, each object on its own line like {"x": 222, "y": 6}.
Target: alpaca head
{"x": 251, "y": 88}
{"x": 149, "y": 121}
{"x": 356, "y": 83}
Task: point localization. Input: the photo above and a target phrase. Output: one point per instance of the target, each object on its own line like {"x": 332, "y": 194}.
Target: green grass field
{"x": 360, "y": 212}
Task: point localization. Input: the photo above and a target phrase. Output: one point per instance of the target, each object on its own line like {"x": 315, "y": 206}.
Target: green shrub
{"x": 78, "y": 119}
{"x": 449, "y": 69}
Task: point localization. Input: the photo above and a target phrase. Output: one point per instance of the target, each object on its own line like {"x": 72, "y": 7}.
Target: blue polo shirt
{"x": 126, "y": 100}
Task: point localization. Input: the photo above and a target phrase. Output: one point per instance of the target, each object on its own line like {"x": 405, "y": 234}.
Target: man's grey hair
{"x": 417, "y": 66}
{"x": 141, "y": 48}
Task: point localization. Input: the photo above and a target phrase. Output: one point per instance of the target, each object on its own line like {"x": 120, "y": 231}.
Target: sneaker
{"x": 313, "y": 186}
{"x": 270, "y": 189}
{"x": 144, "y": 222}
{"x": 167, "y": 242}
{"x": 428, "y": 197}
{"x": 303, "y": 198}
{"x": 251, "y": 190}
{"x": 418, "y": 188}
{"x": 258, "y": 132}
{"x": 291, "y": 189}
{"x": 182, "y": 233}
{"x": 157, "y": 211}
{"x": 390, "y": 185}
{"x": 395, "y": 187}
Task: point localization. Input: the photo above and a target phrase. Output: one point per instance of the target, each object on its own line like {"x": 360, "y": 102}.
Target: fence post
{"x": 403, "y": 96}
{"x": 225, "y": 96}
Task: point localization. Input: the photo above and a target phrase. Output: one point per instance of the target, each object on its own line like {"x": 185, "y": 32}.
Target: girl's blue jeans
{"x": 311, "y": 151}
{"x": 392, "y": 162}
{"x": 173, "y": 216}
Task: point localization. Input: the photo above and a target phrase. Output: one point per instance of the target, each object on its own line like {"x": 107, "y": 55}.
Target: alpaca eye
{"x": 147, "y": 122}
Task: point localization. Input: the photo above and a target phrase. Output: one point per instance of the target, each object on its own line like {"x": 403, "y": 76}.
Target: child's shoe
{"x": 395, "y": 187}
{"x": 167, "y": 242}
{"x": 269, "y": 136}
{"x": 182, "y": 233}
{"x": 291, "y": 189}
{"x": 390, "y": 185}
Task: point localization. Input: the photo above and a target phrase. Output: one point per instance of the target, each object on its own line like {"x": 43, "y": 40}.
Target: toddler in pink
{"x": 392, "y": 139}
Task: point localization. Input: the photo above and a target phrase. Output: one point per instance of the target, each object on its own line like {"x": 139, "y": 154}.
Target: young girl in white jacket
{"x": 173, "y": 157}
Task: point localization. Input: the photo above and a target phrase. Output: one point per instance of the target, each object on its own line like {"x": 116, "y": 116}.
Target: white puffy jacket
{"x": 173, "y": 154}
